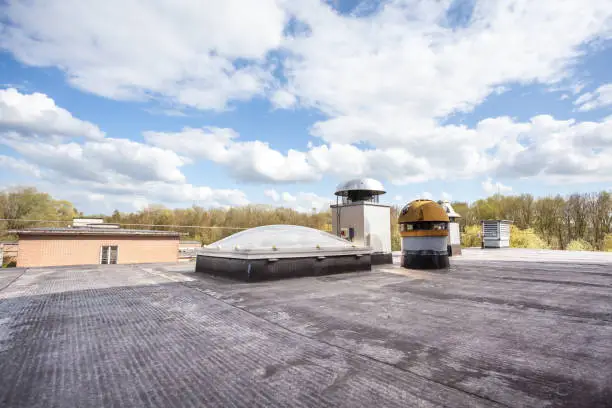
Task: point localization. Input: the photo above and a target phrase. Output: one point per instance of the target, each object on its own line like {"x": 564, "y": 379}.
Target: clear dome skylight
{"x": 282, "y": 241}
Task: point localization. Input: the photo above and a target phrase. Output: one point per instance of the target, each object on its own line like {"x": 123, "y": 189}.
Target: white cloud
{"x": 250, "y": 161}
{"x": 389, "y": 77}
{"x": 310, "y": 201}
{"x": 18, "y": 165}
{"x": 100, "y": 172}
{"x": 446, "y": 196}
{"x": 556, "y": 150}
{"x": 302, "y": 201}
{"x": 197, "y": 53}
{"x": 424, "y": 195}
{"x": 500, "y": 146}
{"x": 288, "y": 198}
{"x": 37, "y": 114}
{"x": 564, "y": 97}
{"x": 282, "y": 99}
{"x": 398, "y": 198}
{"x": 107, "y": 160}
{"x": 130, "y": 196}
{"x": 125, "y": 173}
{"x": 599, "y": 98}
{"x": 542, "y": 147}
{"x": 307, "y": 202}
{"x": 272, "y": 194}
{"x": 490, "y": 187}
{"x": 398, "y": 60}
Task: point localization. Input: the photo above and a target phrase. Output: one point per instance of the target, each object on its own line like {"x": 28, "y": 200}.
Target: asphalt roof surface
{"x": 490, "y": 332}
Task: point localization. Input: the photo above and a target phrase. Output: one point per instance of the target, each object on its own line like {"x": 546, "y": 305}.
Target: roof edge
{"x": 77, "y": 232}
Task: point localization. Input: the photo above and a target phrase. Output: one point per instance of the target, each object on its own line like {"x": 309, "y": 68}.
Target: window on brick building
{"x": 108, "y": 254}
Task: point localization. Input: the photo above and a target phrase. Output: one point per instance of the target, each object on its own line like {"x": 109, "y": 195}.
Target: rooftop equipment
{"x": 359, "y": 218}
{"x": 281, "y": 251}
{"x": 101, "y": 226}
{"x": 424, "y": 230}
{"x": 454, "y": 234}
{"x": 85, "y": 222}
{"x": 496, "y": 233}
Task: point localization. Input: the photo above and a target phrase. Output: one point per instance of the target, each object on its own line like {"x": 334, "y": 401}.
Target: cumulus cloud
{"x": 283, "y": 99}
{"x": 288, "y": 198}
{"x": 97, "y": 170}
{"x": 9, "y": 163}
{"x": 37, "y": 115}
{"x": 560, "y": 150}
{"x": 541, "y": 147}
{"x": 249, "y": 161}
{"x": 302, "y": 201}
{"x": 175, "y": 193}
{"x": 257, "y": 161}
{"x": 122, "y": 171}
{"x": 389, "y": 77}
{"x": 402, "y": 59}
{"x": 599, "y": 98}
{"x": 272, "y": 194}
{"x": 106, "y": 160}
{"x": 446, "y": 196}
{"x": 130, "y": 196}
{"x": 491, "y": 187}
{"x": 197, "y": 53}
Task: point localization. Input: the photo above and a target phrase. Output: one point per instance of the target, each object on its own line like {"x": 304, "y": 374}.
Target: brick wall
{"x": 83, "y": 250}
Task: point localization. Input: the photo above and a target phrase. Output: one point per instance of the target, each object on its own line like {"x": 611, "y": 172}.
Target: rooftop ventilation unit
{"x": 496, "y": 233}
{"x": 423, "y": 227}
{"x": 86, "y": 222}
{"x": 103, "y": 226}
{"x": 360, "y": 190}
{"x": 359, "y": 218}
{"x": 454, "y": 234}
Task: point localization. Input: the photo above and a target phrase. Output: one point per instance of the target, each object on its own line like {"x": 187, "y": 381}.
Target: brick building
{"x": 99, "y": 244}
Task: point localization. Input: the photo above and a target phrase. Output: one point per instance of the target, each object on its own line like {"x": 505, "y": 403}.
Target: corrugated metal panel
{"x": 504, "y": 230}
{"x": 489, "y": 229}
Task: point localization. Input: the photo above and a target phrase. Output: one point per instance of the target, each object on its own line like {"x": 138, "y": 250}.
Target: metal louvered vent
{"x": 490, "y": 230}
{"x": 504, "y": 231}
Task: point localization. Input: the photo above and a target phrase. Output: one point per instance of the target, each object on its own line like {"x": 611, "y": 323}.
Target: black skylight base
{"x": 252, "y": 270}
{"x": 382, "y": 258}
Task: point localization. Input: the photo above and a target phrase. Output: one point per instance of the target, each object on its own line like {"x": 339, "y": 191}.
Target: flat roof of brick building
{"x": 94, "y": 231}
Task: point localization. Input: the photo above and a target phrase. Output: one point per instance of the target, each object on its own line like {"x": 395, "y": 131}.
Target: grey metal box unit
{"x": 496, "y": 233}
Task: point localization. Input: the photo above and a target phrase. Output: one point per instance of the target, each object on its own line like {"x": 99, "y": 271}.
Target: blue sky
{"x": 277, "y": 102}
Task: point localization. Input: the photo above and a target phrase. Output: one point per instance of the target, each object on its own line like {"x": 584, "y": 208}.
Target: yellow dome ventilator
{"x": 423, "y": 227}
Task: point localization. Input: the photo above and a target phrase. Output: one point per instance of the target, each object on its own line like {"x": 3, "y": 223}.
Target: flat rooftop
{"x": 100, "y": 230}
{"x": 500, "y": 328}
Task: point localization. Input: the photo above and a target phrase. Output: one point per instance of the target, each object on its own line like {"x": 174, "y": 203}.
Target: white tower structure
{"x": 454, "y": 233}
{"x": 359, "y": 217}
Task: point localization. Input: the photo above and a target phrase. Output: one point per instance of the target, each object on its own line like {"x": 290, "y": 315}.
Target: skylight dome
{"x": 281, "y": 241}
{"x": 281, "y": 251}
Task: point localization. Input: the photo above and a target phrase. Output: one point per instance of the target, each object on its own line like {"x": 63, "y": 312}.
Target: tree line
{"x": 578, "y": 221}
